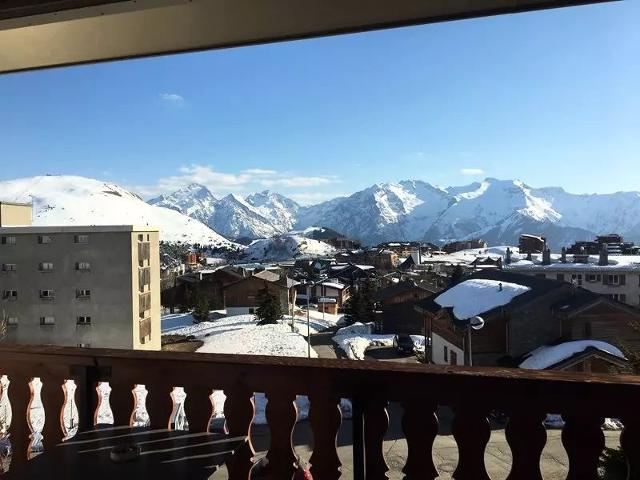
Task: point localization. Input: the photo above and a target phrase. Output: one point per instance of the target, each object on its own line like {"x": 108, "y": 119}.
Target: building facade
{"x": 96, "y": 286}
{"x": 15, "y": 214}
{"x": 618, "y": 277}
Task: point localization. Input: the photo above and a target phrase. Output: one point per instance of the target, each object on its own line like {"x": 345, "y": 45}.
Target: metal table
{"x": 164, "y": 454}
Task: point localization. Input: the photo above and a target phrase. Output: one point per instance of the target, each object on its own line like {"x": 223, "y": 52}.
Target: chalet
{"x": 590, "y": 356}
{"x": 472, "y": 244}
{"x": 350, "y": 273}
{"x": 522, "y": 313}
{"x": 332, "y": 289}
{"x": 531, "y": 243}
{"x": 396, "y": 304}
{"x": 243, "y": 296}
{"x": 208, "y": 283}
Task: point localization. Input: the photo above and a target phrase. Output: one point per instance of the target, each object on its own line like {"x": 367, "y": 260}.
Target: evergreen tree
{"x": 201, "y": 310}
{"x": 359, "y": 307}
{"x": 270, "y": 309}
{"x": 456, "y": 275}
{"x": 351, "y": 308}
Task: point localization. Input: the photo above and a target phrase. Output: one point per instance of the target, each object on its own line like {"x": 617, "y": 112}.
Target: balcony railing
{"x": 524, "y": 396}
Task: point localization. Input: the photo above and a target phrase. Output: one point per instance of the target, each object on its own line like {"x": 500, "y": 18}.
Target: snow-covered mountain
{"x": 284, "y": 247}
{"x": 234, "y": 217}
{"x": 194, "y": 200}
{"x": 259, "y": 215}
{"x": 73, "y": 200}
{"x": 496, "y": 210}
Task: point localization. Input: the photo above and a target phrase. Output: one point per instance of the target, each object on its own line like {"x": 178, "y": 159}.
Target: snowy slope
{"x": 234, "y": 217}
{"x": 259, "y": 215}
{"x": 73, "y": 200}
{"x": 284, "y": 247}
{"x": 278, "y": 209}
{"x": 194, "y": 200}
{"x": 495, "y": 210}
{"x": 382, "y": 212}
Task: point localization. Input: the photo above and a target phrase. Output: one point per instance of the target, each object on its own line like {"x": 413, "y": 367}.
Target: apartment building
{"x": 14, "y": 214}
{"x": 616, "y": 276}
{"x": 90, "y": 286}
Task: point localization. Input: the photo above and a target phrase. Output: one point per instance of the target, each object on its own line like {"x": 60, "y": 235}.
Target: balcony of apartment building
{"x": 79, "y": 443}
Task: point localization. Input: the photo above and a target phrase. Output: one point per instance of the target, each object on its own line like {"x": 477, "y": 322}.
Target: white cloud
{"x": 471, "y": 171}
{"x": 310, "y": 198}
{"x": 297, "y": 182}
{"x": 260, "y": 172}
{"x": 172, "y": 97}
{"x": 221, "y": 183}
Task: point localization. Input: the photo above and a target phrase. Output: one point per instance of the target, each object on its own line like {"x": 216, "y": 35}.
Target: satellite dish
{"x": 476, "y": 323}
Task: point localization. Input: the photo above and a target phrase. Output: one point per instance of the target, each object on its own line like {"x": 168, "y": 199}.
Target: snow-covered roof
{"x": 335, "y": 285}
{"x": 546, "y": 356}
{"x": 615, "y": 262}
{"x": 476, "y": 296}
{"x": 364, "y": 267}
{"x": 327, "y": 300}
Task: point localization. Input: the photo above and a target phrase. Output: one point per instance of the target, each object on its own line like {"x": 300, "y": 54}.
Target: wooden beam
{"x": 39, "y": 34}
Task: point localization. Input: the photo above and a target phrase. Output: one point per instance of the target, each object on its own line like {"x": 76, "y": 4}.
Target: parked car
{"x": 403, "y": 343}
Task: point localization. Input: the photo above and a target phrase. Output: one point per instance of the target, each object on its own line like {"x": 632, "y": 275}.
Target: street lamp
{"x": 475, "y": 323}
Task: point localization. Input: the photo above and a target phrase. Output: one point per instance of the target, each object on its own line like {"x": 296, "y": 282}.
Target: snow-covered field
{"x": 240, "y": 334}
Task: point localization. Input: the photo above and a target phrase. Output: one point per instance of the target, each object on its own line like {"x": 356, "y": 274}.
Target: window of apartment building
{"x": 81, "y": 239}
{"x": 83, "y": 293}
{"x": 83, "y": 266}
{"x": 48, "y": 320}
{"x": 46, "y": 267}
{"x": 560, "y": 277}
{"x": 621, "y": 297}
{"x": 10, "y": 294}
{"x": 8, "y": 267}
{"x": 44, "y": 239}
{"x": 576, "y": 278}
{"x": 83, "y": 320}
{"x": 47, "y": 294}
{"x": 8, "y": 240}
{"x": 454, "y": 358}
{"x": 145, "y": 330}
{"x": 592, "y": 277}
{"x": 144, "y": 277}
{"x": 144, "y": 302}
{"x": 614, "y": 279}
{"x": 12, "y": 321}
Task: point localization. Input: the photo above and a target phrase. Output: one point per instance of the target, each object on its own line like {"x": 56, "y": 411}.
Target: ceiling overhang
{"x": 47, "y": 33}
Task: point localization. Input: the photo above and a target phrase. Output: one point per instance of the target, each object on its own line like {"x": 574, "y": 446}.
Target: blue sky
{"x": 552, "y": 98}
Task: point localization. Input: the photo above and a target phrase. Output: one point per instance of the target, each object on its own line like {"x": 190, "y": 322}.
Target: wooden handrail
{"x": 525, "y": 395}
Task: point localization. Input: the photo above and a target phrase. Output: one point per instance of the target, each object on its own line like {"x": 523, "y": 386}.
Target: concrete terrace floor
{"x": 554, "y": 461}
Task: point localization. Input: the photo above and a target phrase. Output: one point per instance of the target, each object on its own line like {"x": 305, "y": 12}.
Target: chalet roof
{"x": 397, "y": 289}
{"x": 267, "y": 275}
{"x": 552, "y": 356}
{"x": 538, "y": 287}
{"x": 582, "y": 299}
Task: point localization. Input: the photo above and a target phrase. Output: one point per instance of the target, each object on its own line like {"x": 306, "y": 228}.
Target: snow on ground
{"x": 546, "y": 356}
{"x": 476, "y": 296}
{"x": 355, "y": 339}
{"x": 240, "y": 334}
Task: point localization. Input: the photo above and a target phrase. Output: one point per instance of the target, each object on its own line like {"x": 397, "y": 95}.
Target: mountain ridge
{"x": 497, "y": 210}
